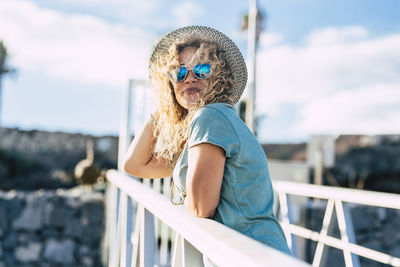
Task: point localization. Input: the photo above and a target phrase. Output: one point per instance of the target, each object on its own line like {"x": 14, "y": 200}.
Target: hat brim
{"x": 233, "y": 55}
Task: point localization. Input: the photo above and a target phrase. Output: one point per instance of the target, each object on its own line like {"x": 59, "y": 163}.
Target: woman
{"x": 219, "y": 169}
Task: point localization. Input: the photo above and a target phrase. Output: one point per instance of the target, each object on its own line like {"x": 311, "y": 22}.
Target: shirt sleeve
{"x": 211, "y": 126}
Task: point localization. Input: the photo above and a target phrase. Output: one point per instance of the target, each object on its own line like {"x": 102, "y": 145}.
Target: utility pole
{"x": 251, "y": 57}
{"x": 253, "y": 23}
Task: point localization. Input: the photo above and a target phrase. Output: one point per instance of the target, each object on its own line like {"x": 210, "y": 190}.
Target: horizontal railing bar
{"x": 363, "y": 197}
{"x": 221, "y": 244}
{"x": 339, "y": 244}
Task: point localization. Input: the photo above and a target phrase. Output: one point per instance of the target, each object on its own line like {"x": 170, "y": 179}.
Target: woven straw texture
{"x": 233, "y": 56}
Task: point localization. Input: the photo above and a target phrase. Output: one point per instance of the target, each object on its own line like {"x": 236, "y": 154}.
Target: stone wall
{"x": 375, "y": 228}
{"x": 31, "y": 160}
{"x": 373, "y": 165}
{"x": 50, "y": 228}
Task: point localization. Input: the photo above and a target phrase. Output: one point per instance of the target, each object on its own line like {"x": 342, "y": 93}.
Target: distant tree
{"x": 4, "y": 69}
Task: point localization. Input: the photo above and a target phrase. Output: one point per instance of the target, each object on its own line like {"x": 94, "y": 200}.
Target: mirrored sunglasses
{"x": 200, "y": 71}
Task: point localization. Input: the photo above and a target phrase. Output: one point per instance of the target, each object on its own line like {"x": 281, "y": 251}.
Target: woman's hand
{"x": 139, "y": 160}
{"x": 206, "y": 163}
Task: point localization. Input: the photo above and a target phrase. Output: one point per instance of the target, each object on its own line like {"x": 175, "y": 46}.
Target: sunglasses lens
{"x": 202, "y": 71}
{"x": 181, "y": 74}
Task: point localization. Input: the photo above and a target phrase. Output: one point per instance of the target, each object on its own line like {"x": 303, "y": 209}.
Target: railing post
{"x": 164, "y": 229}
{"x": 135, "y": 239}
{"x": 289, "y": 205}
{"x": 319, "y": 251}
{"x": 285, "y": 217}
{"x": 177, "y": 255}
{"x": 110, "y": 223}
{"x": 144, "y": 242}
{"x": 343, "y": 232}
{"x": 343, "y": 227}
{"x": 122, "y": 228}
{"x": 129, "y": 230}
{"x": 186, "y": 255}
{"x": 147, "y": 240}
{"x": 192, "y": 257}
{"x": 113, "y": 246}
{"x": 350, "y": 232}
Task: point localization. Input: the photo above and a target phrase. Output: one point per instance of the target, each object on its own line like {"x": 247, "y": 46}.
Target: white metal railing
{"x": 338, "y": 199}
{"x": 130, "y": 239}
{"x": 135, "y": 245}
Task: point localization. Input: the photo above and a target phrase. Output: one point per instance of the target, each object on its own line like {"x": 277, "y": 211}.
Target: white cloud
{"x": 130, "y": 11}
{"x": 329, "y": 36}
{"x": 186, "y": 12}
{"x": 340, "y": 81}
{"x": 76, "y": 47}
{"x": 269, "y": 39}
{"x": 369, "y": 110}
{"x": 136, "y": 6}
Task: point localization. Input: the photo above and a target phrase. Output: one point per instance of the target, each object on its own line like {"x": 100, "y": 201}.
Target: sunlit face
{"x": 188, "y": 91}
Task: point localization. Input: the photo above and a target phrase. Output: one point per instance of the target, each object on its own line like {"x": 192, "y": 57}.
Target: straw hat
{"x": 233, "y": 56}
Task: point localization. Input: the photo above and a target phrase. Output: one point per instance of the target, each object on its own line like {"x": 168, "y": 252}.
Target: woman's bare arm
{"x": 139, "y": 160}
{"x": 206, "y": 163}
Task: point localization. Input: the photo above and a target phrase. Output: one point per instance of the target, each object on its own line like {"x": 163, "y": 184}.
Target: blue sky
{"x": 324, "y": 67}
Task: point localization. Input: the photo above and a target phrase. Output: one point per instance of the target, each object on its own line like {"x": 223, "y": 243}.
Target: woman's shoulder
{"x": 214, "y": 110}
{"x": 213, "y": 124}
{"x": 219, "y": 106}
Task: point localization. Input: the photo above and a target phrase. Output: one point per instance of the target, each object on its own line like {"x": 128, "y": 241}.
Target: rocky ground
{"x": 51, "y": 228}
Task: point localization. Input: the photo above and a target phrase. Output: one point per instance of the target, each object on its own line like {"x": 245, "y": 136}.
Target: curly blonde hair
{"x": 172, "y": 121}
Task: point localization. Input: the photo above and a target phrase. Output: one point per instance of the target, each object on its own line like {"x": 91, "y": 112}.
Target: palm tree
{"x": 3, "y": 69}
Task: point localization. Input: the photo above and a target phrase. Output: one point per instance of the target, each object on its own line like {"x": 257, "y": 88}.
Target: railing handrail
{"x": 221, "y": 244}
{"x": 337, "y": 201}
{"x": 356, "y": 196}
